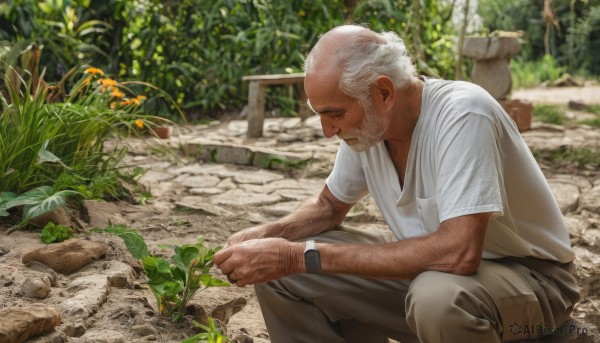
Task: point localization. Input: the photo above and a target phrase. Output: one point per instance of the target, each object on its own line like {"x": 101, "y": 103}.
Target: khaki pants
{"x": 510, "y": 299}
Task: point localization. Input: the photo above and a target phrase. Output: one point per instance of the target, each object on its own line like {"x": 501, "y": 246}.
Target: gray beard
{"x": 371, "y": 130}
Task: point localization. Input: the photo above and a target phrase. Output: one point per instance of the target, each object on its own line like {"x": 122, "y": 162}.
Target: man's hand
{"x": 244, "y": 235}
{"x": 260, "y": 260}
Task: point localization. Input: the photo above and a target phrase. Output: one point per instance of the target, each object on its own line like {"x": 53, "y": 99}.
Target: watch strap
{"x": 312, "y": 259}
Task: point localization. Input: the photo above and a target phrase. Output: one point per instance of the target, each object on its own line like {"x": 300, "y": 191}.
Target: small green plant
{"x": 549, "y": 114}
{"x": 175, "y": 281}
{"x": 54, "y": 233}
{"x": 211, "y": 334}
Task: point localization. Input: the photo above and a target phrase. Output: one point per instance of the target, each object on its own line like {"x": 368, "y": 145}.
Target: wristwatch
{"x": 312, "y": 259}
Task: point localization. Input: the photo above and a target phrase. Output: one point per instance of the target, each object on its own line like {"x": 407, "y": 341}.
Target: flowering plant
{"x": 104, "y": 93}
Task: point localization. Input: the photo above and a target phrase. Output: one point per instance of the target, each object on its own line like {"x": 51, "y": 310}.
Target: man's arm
{"x": 266, "y": 252}
{"x": 455, "y": 248}
{"x": 312, "y": 217}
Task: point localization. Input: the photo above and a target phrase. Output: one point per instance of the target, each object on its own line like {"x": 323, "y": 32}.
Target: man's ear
{"x": 384, "y": 91}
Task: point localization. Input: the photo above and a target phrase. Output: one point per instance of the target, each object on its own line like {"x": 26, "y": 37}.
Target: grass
{"x": 554, "y": 114}
{"x": 578, "y": 156}
{"x": 549, "y": 114}
{"x": 594, "y": 109}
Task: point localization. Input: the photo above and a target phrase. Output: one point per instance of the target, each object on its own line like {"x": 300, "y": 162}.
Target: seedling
{"x": 211, "y": 334}
{"x": 175, "y": 281}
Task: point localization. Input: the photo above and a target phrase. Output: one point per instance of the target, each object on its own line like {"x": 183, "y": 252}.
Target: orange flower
{"x": 139, "y": 123}
{"x": 113, "y": 105}
{"x": 125, "y": 102}
{"x": 86, "y": 80}
{"x": 94, "y": 71}
{"x": 107, "y": 84}
{"x": 135, "y": 101}
{"x": 117, "y": 94}
{"x": 141, "y": 97}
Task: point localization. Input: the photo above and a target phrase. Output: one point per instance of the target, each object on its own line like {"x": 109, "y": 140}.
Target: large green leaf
{"x": 41, "y": 200}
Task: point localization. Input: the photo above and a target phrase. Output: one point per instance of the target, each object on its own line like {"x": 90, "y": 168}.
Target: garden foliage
{"x": 53, "y": 136}
{"x": 198, "y": 51}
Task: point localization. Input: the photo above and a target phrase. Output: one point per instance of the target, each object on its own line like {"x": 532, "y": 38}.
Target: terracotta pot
{"x": 163, "y": 132}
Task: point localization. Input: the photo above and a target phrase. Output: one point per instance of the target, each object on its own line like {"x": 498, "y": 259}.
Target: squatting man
{"x": 476, "y": 241}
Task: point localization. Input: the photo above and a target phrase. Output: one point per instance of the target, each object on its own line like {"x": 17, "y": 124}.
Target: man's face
{"x": 342, "y": 115}
{"x": 370, "y": 132}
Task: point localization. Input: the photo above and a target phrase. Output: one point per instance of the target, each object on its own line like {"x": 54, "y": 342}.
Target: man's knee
{"x": 444, "y": 300}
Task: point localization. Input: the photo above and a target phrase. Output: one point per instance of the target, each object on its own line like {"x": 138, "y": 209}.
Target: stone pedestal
{"x": 492, "y": 56}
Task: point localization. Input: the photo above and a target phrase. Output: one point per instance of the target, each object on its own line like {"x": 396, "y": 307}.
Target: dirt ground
{"x": 131, "y": 311}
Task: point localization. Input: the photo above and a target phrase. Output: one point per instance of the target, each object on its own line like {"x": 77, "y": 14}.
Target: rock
{"x": 152, "y": 177}
{"x": 4, "y": 250}
{"x": 215, "y": 302}
{"x": 566, "y": 195}
{"x": 74, "y": 329}
{"x": 68, "y": 256}
{"x": 88, "y": 293}
{"x": 199, "y": 204}
{"x": 102, "y": 336}
{"x": 243, "y": 339}
{"x": 40, "y": 267}
{"x": 101, "y": 214}
{"x": 20, "y": 323}
{"x": 279, "y": 160}
{"x": 144, "y": 330}
{"x": 521, "y": 112}
{"x": 199, "y": 181}
{"x": 576, "y": 227}
{"x": 36, "y": 288}
{"x": 591, "y": 200}
{"x": 587, "y": 271}
{"x": 578, "y": 105}
{"x": 236, "y": 197}
{"x": 566, "y": 80}
{"x": 591, "y": 239}
{"x": 53, "y": 337}
{"x": 119, "y": 274}
{"x": 224, "y": 311}
{"x": 59, "y": 216}
{"x": 220, "y": 153}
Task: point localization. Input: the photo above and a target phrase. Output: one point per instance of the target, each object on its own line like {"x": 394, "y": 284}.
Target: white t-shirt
{"x": 466, "y": 156}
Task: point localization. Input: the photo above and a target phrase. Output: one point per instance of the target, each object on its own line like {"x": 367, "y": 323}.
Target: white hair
{"x": 364, "y": 56}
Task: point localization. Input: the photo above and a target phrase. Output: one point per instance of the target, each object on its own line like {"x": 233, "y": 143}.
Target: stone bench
{"x": 256, "y": 98}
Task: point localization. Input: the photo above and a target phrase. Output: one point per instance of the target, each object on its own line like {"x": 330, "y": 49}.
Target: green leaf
{"x": 46, "y": 156}
{"x": 5, "y": 198}
{"x": 41, "y": 200}
{"x": 133, "y": 240}
{"x": 54, "y": 233}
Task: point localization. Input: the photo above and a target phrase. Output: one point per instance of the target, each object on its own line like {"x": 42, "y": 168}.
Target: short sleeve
{"x": 347, "y": 180}
{"x": 468, "y": 166}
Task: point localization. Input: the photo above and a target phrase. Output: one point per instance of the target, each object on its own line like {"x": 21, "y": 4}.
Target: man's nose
{"x": 329, "y": 130}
